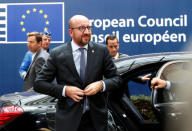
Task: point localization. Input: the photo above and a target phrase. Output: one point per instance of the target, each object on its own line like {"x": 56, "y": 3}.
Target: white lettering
{"x": 144, "y": 21}
{"x": 140, "y": 19}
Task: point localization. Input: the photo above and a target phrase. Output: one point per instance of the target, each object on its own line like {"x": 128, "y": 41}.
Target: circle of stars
{"x": 34, "y": 10}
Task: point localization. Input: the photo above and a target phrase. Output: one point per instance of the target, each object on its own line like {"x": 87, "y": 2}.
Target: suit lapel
{"x": 71, "y": 62}
{"x": 90, "y": 59}
{"x": 35, "y": 57}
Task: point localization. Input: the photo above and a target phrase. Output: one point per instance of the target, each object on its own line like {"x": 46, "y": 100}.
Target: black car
{"x": 134, "y": 107}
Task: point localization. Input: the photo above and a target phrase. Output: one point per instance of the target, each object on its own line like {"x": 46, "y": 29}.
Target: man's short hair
{"x": 37, "y": 35}
{"x": 110, "y": 37}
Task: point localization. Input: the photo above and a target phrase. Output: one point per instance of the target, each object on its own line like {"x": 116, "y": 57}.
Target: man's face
{"x": 32, "y": 44}
{"x": 45, "y": 42}
{"x": 81, "y": 34}
{"x": 113, "y": 47}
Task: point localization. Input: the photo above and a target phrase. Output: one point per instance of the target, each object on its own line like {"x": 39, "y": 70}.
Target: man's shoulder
{"x": 97, "y": 45}
{"x": 44, "y": 54}
{"x": 122, "y": 55}
{"x": 61, "y": 47}
{"x": 28, "y": 53}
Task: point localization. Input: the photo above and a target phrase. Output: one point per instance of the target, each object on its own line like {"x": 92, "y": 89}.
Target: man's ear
{"x": 70, "y": 32}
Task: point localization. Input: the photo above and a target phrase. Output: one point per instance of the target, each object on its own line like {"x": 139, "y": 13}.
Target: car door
{"x": 173, "y": 105}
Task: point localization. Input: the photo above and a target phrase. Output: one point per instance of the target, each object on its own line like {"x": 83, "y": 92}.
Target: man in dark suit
{"x": 113, "y": 46}
{"x": 112, "y": 43}
{"x": 81, "y": 92}
{"x": 39, "y": 56}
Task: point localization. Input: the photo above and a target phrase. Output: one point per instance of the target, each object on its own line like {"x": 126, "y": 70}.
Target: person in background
{"x": 39, "y": 56}
{"x": 113, "y": 47}
{"x": 79, "y": 67}
{"x": 46, "y": 39}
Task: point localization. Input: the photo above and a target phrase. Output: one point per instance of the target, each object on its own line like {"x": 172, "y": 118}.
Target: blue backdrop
{"x": 142, "y": 26}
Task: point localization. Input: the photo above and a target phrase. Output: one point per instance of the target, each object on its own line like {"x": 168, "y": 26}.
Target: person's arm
{"x": 25, "y": 64}
{"x": 142, "y": 79}
{"x": 112, "y": 78}
{"x": 43, "y": 83}
{"x": 145, "y": 78}
{"x": 158, "y": 83}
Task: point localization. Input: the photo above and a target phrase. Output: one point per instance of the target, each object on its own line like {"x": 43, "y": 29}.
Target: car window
{"x": 179, "y": 74}
{"x": 140, "y": 96}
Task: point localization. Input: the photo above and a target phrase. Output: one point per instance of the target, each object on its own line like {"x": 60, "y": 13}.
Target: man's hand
{"x": 159, "y": 83}
{"x": 145, "y": 78}
{"x": 93, "y": 88}
{"x": 74, "y": 93}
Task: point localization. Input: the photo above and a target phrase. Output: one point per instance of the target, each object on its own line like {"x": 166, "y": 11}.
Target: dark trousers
{"x": 86, "y": 123}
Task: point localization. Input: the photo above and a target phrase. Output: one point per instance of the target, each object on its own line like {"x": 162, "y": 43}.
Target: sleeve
{"x": 168, "y": 86}
{"x": 113, "y": 79}
{"x": 25, "y": 64}
{"x": 43, "y": 83}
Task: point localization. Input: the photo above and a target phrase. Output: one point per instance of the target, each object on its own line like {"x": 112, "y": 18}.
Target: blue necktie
{"x": 82, "y": 76}
{"x": 82, "y": 64}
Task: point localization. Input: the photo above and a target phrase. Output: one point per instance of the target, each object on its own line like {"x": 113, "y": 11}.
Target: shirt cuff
{"x": 104, "y": 88}
{"x": 168, "y": 85}
{"x": 63, "y": 92}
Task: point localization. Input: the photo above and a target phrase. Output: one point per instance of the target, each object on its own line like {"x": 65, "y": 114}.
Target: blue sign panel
{"x": 20, "y": 19}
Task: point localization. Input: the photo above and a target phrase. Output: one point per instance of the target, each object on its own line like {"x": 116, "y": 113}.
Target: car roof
{"x": 132, "y": 62}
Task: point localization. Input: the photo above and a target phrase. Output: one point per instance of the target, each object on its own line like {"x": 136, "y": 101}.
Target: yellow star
{"x": 27, "y": 33}
{"x": 47, "y": 22}
{"x": 41, "y": 11}
{"x": 28, "y": 11}
{"x": 34, "y": 9}
{"x": 45, "y": 29}
{"x": 23, "y": 16}
{"x": 23, "y": 29}
{"x": 45, "y": 16}
{"x": 21, "y": 23}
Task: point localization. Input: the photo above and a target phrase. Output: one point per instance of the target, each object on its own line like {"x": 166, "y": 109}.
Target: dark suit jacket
{"x": 61, "y": 64}
{"x": 34, "y": 68}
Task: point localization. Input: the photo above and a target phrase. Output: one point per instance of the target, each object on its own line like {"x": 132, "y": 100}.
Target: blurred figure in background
{"x": 39, "y": 56}
{"x": 46, "y": 39}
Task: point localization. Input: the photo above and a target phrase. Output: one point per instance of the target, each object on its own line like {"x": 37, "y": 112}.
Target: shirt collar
{"x": 75, "y": 47}
{"x": 33, "y": 55}
{"x": 116, "y": 56}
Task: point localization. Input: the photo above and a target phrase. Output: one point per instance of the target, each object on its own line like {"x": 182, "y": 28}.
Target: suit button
{"x": 81, "y": 105}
